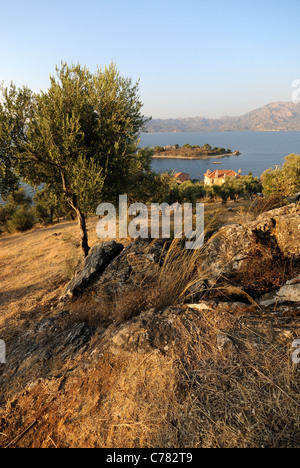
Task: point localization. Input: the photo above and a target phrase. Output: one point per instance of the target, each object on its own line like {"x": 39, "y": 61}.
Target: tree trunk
{"x": 72, "y": 200}
{"x": 51, "y": 215}
{"x": 81, "y": 221}
{"x": 83, "y": 232}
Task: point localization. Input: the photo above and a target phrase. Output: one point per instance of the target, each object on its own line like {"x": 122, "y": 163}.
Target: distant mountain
{"x": 278, "y": 116}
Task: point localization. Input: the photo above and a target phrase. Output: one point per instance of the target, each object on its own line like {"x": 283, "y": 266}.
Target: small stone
{"x": 224, "y": 343}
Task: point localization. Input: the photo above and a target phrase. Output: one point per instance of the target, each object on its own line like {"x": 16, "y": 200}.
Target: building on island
{"x": 219, "y": 177}
{"x": 182, "y": 177}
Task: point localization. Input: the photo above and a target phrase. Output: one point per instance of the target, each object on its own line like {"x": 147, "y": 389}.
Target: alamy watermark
{"x": 2, "y": 352}
{"x": 296, "y": 93}
{"x": 296, "y": 354}
{"x": 153, "y": 221}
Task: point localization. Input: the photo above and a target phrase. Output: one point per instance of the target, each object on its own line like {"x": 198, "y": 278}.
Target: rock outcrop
{"x": 172, "y": 329}
{"x": 138, "y": 259}
{"x": 94, "y": 266}
{"x": 289, "y": 293}
{"x": 274, "y": 234}
{"x": 202, "y": 334}
{"x": 41, "y": 350}
{"x": 264, "y": 246}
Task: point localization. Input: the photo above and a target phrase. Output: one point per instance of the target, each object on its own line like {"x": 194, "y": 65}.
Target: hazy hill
{"x": 284, "y": 116}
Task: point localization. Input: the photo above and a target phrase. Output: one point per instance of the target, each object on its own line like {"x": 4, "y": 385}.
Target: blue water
{"x": 259, "y": 150}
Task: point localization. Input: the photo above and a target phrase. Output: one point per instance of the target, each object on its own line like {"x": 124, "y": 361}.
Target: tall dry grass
{"x": 180, "y": 269}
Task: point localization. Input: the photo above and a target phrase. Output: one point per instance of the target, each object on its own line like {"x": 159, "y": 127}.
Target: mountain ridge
{"x": 275, "y": 116}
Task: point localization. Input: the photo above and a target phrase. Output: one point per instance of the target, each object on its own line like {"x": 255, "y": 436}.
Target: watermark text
{"x": 2, "y": 352}
{"x": 153, "y": 221}
{"x": 296, "y": 354}
{"x": 296, "y": 92}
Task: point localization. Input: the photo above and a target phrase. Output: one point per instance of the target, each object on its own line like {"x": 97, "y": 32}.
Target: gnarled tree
{"x": 81, "y": 138}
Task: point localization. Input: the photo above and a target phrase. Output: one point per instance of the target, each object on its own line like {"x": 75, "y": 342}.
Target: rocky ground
{"x": 151, "y": 346}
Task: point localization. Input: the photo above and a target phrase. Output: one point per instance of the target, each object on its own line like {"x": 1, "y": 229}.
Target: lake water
{"x": 259, "y": 150}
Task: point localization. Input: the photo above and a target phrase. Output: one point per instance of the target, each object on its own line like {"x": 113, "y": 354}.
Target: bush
{"x": 22, "y": 220}
{"x": 191, "y": 192}
{"x": 284, "y": 181}
{"x": 17, "y": 214}
{"x": 6, "y": 213}
{"x": 42, "y": 214}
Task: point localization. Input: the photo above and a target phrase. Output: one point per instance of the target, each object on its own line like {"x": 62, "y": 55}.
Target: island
{"x": 192, "y": 152}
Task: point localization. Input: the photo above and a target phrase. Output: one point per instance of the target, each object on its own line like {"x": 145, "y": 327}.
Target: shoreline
{"x": 219, "y": 156}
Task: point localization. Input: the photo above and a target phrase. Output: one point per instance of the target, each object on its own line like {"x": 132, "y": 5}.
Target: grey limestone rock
{"x": 99, "y": 258}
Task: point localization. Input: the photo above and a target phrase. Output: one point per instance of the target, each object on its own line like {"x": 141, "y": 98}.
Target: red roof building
{"x": 182, "y": 177}
{"x": 219, "y": 177}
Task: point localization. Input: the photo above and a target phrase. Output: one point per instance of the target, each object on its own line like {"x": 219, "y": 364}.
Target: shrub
{"x": 6, "y": 213}
{"x": 42, "y": 214}
{"x": 22, "y": 220}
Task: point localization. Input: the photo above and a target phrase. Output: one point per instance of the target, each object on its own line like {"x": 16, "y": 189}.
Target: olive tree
{"x": 14, "y": 111}
{"x": 81, "y": 138}
{"x": 284, "y": 181}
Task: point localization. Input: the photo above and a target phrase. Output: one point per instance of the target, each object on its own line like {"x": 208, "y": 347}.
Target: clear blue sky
{"x": 193, "y": 57}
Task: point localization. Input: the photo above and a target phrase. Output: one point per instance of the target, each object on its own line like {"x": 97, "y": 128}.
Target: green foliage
{"x": 273, "y": 182}
{"x": 17, "y": 214}
{"x": 234, "y": 188}
{"x": 18, "y": 198}
{"x": 22, "y": 220}
{"x": 158, "y": 149}
{"x": 165, "y": 188}
{"x": 212, "y": 192}
{"x": 291, "y": 173}
{"x": 8, "y": 180}
{"x": 223, "y": 192}
{"x": 206, "y": 147}
{"x": 284, "y": 181}
{"x": 155, "y": 188}
{"x": 6, "y": 213}
{"x": 49, "y": 204}
{"x": 80, "y": 137}
{"x": 191, "y": 192}
{"x": 15, "y": 109}
{"x": 246, "y": 186}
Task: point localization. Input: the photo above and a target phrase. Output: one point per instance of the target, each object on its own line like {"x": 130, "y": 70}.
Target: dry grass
{"x": 195, "y": 396}
{"x": 157, "y": 285}
{"x": 248, "y": 397}
{"x": 176, "y": 275}
{"x": 33, "y": 270}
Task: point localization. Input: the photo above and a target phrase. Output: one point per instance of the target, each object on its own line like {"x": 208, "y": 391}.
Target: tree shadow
{"x": 7, "y": 297}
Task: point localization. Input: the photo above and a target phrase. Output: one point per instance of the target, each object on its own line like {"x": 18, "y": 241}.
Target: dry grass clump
{"x": 133, "y": 303}
{"x": 245, "y": 397}
{"x": 176, "y": 273}
{"x": 151, "y": 285}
